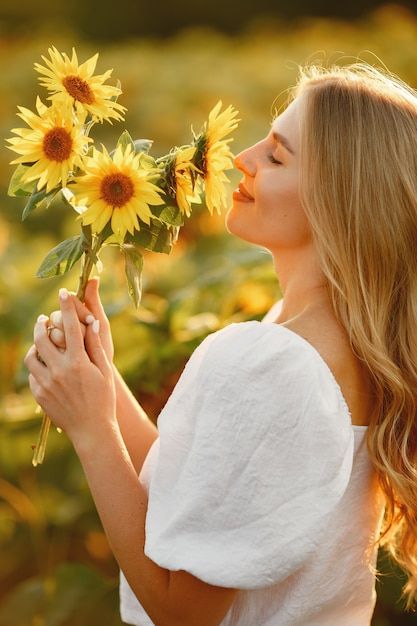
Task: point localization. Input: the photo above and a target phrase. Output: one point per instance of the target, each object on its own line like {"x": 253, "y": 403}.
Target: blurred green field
{"x": 56, "y": 566}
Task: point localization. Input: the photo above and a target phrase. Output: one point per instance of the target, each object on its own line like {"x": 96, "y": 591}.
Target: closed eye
{"x": 273, "y": 160}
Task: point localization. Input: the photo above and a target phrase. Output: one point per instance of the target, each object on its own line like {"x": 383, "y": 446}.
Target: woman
{"x": 262, "y": 493}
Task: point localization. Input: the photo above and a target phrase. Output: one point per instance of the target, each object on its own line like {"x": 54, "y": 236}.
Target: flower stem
{"x": 89, "y": 258}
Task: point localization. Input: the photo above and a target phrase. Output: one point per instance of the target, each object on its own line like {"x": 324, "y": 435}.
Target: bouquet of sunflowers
{"x": 126, "y": 197}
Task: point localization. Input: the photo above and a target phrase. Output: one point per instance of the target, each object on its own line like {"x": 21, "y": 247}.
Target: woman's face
{"x": 274, "y": 217}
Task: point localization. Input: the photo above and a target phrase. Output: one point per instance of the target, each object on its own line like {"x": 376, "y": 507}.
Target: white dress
{"x": 260, "y": 482}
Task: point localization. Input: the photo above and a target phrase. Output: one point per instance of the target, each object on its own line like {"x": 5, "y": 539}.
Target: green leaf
{"x": 143, "y": 145}
{"x": 107, "y": 231}
{"x": 133, "y": 269}
{"x": 168, "y": 214}
{"x": 88, "y": 235}
{"x": 70, "y": 594}
{"x": 16, "y": 186}
{"x": 147, "y": 162}
{"x": 26, "y": 600}
{"x": 125, "y": 140}
{"x": 157, "y": 237}
{"x": 39, "y": 199}
{"x": 60, "y": 259}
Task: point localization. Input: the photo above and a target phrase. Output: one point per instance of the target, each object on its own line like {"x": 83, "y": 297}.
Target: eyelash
{"x": 273, "y": 160}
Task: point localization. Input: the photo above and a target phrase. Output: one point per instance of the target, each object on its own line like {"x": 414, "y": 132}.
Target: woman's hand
{"x": 91, "y": 309}
{"x": 75, "y": 387}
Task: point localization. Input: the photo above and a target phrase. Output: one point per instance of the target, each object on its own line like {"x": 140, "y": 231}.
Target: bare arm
{"x": 81, "y": 399}
{"x": 137, "y": 429}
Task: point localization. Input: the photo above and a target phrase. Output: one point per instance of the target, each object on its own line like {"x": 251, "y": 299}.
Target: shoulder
{"x": 257, "y": 373}
{"x": 254, "y": 450}
{"x": 253, "y": 341}
{"x": 255, "y": 359}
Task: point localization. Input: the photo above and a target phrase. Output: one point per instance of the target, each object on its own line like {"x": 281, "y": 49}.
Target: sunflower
{"x": 183, "y": 186}
{"x": 69, "y": 81}
{"x": 216, "y": 154}
{"x": 53, "y": 145}
{"x": 115, "y": 188}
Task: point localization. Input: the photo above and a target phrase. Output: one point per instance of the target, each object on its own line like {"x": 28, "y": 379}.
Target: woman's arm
{"x": 76, "y": 388}
{"x": 137, "y": 429}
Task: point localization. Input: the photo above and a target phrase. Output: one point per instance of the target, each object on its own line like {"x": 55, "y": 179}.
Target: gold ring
{"x": 40, "y": 359}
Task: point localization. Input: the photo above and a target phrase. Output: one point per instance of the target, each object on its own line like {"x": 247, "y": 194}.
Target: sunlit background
{"x": 174, "y": 63}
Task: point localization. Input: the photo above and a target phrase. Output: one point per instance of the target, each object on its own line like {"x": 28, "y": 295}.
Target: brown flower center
{"x": 116, "y": 189}
{"x": 78, "y": 89}
{"x": 57, "y": 144}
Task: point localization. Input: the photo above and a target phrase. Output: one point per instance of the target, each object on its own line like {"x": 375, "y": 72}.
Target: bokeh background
{"x": 174, "y": 60}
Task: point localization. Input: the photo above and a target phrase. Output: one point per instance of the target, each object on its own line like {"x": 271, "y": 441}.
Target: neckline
{"x": 301, "y": 339}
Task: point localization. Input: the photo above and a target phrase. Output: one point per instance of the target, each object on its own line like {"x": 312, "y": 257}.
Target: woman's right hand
{"x": 92, "y": 306}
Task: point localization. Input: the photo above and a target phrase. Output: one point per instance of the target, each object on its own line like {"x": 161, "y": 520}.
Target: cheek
{"x": 280, "y": 212}
{"x": 276, "y": 218}
{"x": 277, "y": 196}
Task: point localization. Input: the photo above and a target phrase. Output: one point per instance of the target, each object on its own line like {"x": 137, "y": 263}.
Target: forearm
{"x": 137, "y": 430}
{"x": 121, "y": 502}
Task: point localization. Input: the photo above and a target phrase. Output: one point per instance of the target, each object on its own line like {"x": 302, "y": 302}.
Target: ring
{"x": 40, "y": 359}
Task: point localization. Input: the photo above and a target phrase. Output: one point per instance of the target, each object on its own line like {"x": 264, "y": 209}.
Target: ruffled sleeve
{"x": 255, "y": 451}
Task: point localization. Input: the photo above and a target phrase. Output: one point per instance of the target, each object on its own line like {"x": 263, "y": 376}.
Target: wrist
{"x": 87, "y": 443}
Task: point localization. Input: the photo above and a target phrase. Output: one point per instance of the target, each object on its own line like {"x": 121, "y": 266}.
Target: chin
{"x": 236, "y": 225}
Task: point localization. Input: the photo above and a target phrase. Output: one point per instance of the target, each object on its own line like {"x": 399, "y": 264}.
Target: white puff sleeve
{"x": 255, "y": 451}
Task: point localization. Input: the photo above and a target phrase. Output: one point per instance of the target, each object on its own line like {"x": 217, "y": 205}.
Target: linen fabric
{"x": 258, "y": 481}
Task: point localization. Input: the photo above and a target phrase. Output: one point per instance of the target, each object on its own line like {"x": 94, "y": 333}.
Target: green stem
{"x": 89, "y": 259}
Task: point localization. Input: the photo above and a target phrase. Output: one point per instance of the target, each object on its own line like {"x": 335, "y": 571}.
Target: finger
{"x": 95, "y": 348}
{"x": 56, "y": 319}
{"x": 92, "y": 299}
{"x": 72, "y": 330}
{"x": 40, "y": 335}
{"x": 35, "y": 367}
{"x": 85, "y": 315}
{"x": 56, "y": 334}
{"x": 34, "y": 387}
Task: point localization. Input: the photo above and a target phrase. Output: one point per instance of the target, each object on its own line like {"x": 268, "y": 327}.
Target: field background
{"x": 56, "y": 568}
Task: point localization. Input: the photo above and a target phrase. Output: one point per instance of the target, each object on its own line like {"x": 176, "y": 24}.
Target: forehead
{"x": 286, "y": 124}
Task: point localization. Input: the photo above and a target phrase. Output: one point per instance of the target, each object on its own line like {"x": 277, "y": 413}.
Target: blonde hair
{"x": 358, "y": 186}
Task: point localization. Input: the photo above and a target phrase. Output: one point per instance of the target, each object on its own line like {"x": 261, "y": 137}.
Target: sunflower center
{"x": 116, "y": 189}
{"x": 57, "y": 144}
{"x": 78, "y": 89}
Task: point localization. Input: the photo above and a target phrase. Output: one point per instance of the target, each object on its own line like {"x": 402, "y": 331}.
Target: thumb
{"x": 95, "y": 348}
{"x": 92, "y": 298}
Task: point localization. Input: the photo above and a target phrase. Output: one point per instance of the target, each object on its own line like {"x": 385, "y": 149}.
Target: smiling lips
{"x": 242, "y": 195}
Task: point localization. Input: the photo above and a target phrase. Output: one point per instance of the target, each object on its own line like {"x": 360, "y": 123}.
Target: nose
{"x": 245, "y": 162}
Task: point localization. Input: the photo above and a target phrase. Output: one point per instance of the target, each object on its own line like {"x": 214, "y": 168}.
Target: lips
{"x": 244, "y": 191}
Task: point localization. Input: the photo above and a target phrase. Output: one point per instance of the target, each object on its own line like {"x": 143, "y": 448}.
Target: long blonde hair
{"x": 358, "y": 186}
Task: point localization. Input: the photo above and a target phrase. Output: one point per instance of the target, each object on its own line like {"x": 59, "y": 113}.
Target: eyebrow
{"x": 283, "y": 140}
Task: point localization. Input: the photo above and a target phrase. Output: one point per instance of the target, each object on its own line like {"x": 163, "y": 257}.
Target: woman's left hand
{"x": 75, "y": 388}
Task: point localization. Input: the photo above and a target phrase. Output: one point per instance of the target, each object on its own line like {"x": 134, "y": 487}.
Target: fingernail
{"x": 42, "y": 318}
{"x": 90, "y": 319}
{"x": 63, "y": 293}
{"x": 96, "y": 326}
